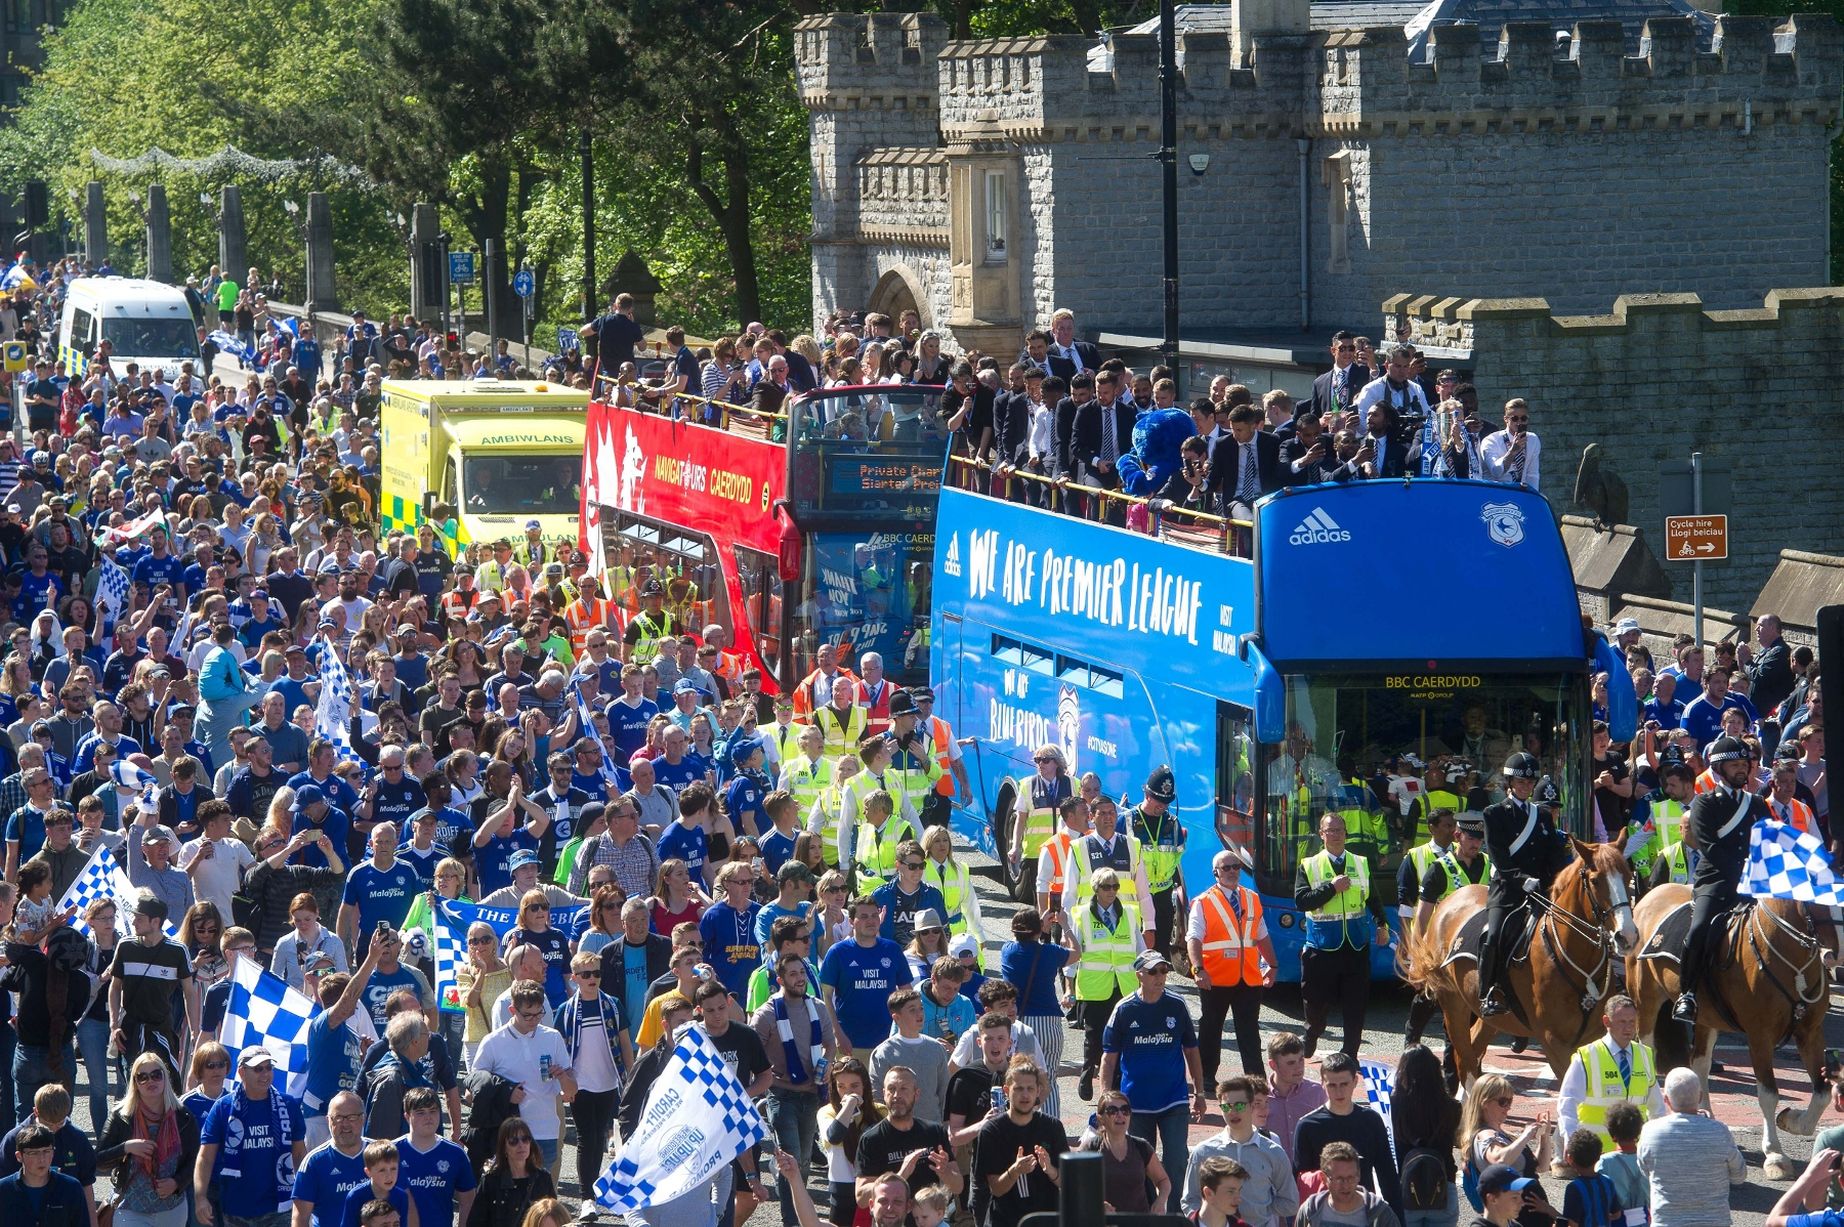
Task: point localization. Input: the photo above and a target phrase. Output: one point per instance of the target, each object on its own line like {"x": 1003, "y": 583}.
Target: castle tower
{"x": 869, "y": 84}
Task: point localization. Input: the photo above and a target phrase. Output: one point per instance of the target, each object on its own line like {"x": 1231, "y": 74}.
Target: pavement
{"x": 1732, "y": 1092}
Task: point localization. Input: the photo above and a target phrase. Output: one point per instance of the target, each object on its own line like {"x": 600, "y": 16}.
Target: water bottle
{"x": 819, "y": 1071}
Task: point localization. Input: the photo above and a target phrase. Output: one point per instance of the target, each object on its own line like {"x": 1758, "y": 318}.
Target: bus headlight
{"x": 1288, "y": 919}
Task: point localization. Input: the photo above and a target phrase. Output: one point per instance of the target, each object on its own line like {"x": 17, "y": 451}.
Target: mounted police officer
{"x": 1720, "y": 822}
{"x": 1526, "y": 855}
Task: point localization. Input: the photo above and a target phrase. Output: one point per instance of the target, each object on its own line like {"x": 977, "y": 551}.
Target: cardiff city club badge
{"x": 1505, "y": 521}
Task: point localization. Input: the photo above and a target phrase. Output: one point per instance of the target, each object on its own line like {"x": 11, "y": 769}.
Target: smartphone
{"x": 384, "y": 927}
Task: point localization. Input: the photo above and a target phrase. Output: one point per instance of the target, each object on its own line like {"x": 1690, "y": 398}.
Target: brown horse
{"x": 1584, "y": 925}
{"x": 1768, "y": 984}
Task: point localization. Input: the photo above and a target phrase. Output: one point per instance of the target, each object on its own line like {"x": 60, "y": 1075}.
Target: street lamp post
{"x": 1168, "y": 171}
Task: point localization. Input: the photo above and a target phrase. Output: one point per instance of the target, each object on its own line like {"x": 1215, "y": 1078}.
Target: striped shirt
{"x": 1689, "y": 1162}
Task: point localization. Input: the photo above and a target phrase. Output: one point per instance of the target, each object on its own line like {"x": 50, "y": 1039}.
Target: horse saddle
{"x": 1467, "y": 942}
{"x": 1673, "y": 932}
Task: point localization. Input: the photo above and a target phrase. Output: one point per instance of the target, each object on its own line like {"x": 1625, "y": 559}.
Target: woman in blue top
{"x": 1033, "y": 964}
{"x": 534, "y": 930}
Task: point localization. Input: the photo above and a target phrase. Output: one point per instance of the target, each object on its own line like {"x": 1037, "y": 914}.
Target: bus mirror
{"x": 790, "y": 557}
{"x": 1270, "y": 698}
{"x": 428, "y": 504}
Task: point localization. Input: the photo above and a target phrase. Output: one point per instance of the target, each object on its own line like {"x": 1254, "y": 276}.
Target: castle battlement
{"x": 849, "y": 61}
{"x": 1043, "y": 89}
{"x": 1752, "y": 76}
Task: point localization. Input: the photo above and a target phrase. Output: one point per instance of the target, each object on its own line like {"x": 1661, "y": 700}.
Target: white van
{"x": 145, "y": 322}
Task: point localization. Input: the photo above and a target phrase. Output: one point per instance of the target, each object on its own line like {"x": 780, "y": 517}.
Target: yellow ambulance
{"x": 490, "y": 456}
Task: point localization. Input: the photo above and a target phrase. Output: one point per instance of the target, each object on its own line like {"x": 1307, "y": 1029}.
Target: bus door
{"x": 974, "y": 822}
{"x": 1236, "y": 790}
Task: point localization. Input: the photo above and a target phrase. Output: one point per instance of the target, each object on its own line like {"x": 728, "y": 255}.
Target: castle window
{"x": 1337, "y": 180}
{"x": 995, "y": 216}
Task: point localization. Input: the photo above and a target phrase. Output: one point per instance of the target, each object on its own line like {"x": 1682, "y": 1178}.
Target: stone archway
{"x": 896, "y": 293}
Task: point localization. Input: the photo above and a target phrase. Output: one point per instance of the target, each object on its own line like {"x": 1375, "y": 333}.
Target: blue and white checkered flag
{"x": 586, "y": 718}
{"x": 135, "y": 781}
{"x": 1786, "y": 863}
{"x": 448, "y": 925}
{"x": 698, "y": 1119}
{"x": 112, "y": 589}
{"x": 101, "y": 878}
{"x": 1379, "y": 1086}
{"x": 333, "y": 714}
{"x": 263, "y": 1009}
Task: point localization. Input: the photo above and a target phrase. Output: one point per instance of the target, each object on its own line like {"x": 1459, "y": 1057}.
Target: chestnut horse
{"x": 1584, "y": 925}
{"x": 1776, "y": 986}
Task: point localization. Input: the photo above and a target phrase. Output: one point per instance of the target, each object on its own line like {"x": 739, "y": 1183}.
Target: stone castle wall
{"x": 1507, "y": 171}
{"x": 1662, "y": 376}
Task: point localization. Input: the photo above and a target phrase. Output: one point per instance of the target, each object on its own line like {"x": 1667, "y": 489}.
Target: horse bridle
{"x": 1595, "y": 981}
{"x": 1797, "y": 995}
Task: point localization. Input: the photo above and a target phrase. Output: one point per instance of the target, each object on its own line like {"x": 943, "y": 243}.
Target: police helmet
{"x": 1521, "y": 766}
{"x": 1728, "y": 749}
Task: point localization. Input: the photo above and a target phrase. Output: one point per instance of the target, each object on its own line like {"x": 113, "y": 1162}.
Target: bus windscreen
{"x": 521, "y": 485}
{"x": 873, "y": 449}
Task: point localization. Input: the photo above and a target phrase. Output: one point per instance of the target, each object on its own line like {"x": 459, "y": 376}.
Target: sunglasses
{"x": 1503, "y": 1101}
{"x": 1116, "y": 1110}
{"x": 150, "y": 1076}
{"x": 588, "y": 975}
{"x": 913, "y": 864}
{"x": 217, "y": 1065}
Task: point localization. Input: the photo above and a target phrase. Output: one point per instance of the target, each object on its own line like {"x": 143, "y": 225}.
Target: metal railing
{"x": 1155, "y": 517}
{"x": 743, "y": 420}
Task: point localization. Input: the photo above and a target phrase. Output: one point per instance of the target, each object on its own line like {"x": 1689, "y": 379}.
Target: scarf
{"x": 165, "y": 1136}
{"x": 816, "y": 1048}
{"x": 231, "y": 1163}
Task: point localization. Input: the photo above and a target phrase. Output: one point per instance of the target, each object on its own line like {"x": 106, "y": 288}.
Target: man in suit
{"x": 1068, "y": 409}
{"x": 1309, "y": 456}
{"x": 1245, "y": 464}
{"x": 1337, "y": 389}
{"x": 1067, "y": 356}
{"x": 1382, "y": 454}
{"x": 1104, "y": 433}
{"x": 771, "y": 391}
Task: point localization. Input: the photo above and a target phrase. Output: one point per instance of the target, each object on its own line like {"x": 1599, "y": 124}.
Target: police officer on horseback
{"x": 1526, "y": 855}
{"x": 1720, "y": 822}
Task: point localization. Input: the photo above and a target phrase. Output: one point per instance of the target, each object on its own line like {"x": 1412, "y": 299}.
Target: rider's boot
{"x": 1492, "y": 1000}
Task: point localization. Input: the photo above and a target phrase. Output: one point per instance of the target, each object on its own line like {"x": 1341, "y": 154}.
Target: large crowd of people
{"x": 676, "y": 845}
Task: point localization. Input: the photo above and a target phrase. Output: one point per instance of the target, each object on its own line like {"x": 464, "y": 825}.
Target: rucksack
{"x": 1425, "y": 1183}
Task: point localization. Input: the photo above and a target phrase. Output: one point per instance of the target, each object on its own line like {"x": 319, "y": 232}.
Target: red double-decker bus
{"x": 796, "y": 529}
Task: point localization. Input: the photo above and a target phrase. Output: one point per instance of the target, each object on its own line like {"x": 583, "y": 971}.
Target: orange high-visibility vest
{"x": 585, "y": 614}
{"x": 1801, "y": 814}
{"x": 943, "y": 737}
{"x": 1058, "y": 848}
{"x": 1231, "y": 955}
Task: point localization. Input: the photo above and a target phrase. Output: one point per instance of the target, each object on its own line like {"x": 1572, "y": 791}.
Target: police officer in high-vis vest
{"x": 1678, "y": 862}
{"x": 1343, "y": 918}
{"x": 1614, "y": 1069}
{"x": 1526, "y": 856}
{"x": 1720, "y": 822}
{"x": 1106, "y": 846}
{"x": 1161, "y": 836}
{"x": 910, "y": 759}
{"x": 1437, "y": 793}
{"x": 1657, "y": 818}
{"x": 1039, "y": 799}
{"x": 1439, "y": 823}
{"x": 1233, "y": 958}
{"x": 1464, "y": 864}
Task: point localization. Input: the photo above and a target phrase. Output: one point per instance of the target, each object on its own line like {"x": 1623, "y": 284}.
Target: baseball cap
{"x": 308, "y": 794}
{"x": 151, "y": 905}
{"x": 259, "y": 594}
{"x": 1501, "y": 1178}
{"x": 159, "y": 833}
{"x": 740, "y": 752}
{"x": 1150, "y": 960}
{"x": 794, "y": 871}
{"x": 254, "y": 1055}
{"x": 686, "y": 686}
{"x": 522, "y": 858}
{"x": 531, "y": 524}
{"x": 964, "y": 946}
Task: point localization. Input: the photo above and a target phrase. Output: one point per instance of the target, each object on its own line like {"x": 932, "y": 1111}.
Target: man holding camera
{"x": 1511, "y": 454}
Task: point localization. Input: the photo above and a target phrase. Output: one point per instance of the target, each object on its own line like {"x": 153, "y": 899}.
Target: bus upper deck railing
{"x": 744, "y": 420}
{"x": 1154, "y": 517}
